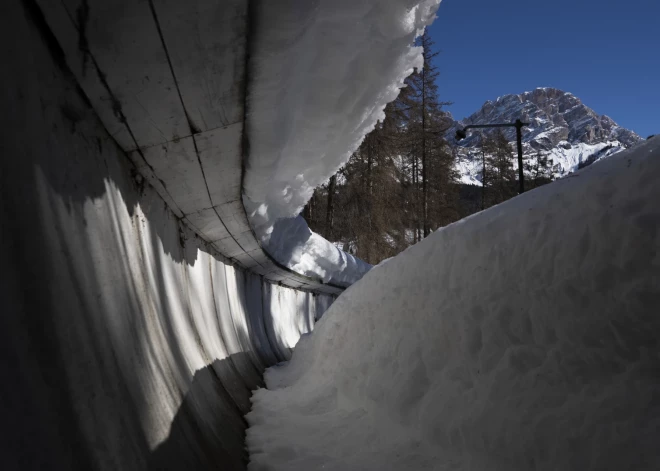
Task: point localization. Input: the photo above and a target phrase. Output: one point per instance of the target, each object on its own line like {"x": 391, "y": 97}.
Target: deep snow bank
{"x": 523, "y": 337}
{"x": 321, "y": 74}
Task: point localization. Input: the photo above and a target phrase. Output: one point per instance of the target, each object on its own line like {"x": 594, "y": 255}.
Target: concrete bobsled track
{"x": 138, "y": 311}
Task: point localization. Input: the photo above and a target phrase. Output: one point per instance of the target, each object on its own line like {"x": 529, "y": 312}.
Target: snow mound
{"x": 522, "y": 337}
{"x": 321, "y": 74}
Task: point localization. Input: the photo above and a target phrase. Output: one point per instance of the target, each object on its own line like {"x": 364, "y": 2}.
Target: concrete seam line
{"x": 83, "y": 45}
{"x": 193, "y": 128}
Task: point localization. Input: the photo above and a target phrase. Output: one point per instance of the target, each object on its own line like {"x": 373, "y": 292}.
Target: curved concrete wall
{"x": 168, "y": 81}
{"x": 128, "y": 342}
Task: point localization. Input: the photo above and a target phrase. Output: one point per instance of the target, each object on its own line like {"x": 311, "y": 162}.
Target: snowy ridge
{"x": 560, "y": 125}
{"x": 321, "y": 75}
{"x": 566, "y": 159}
{"x": 523, "y": 337}
{"x": 553, "y": 116}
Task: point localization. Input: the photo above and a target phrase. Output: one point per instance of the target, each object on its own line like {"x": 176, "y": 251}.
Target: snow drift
{"x": 523, "y": 337}
{"x": 321, "y": 74}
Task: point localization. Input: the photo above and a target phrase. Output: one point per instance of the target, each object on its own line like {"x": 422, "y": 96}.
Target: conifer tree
{"x": 400, "y": 181}
{"x": 539, "y": 170}
{"x": 425, "y": 130}
{"x": 499, "y": 172}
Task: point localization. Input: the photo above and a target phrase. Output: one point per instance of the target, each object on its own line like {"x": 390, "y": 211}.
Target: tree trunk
{"x": 483, "y": 180}
{"x": 370, "y": 199}
{"x": 414, "y": 194}
{"x": 309, "y": 212}
{"x": 330, "y": 211}
{"x": 425, "y": 221}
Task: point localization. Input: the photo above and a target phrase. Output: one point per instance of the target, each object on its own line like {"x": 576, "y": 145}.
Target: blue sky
{"x": 605, "y": 52}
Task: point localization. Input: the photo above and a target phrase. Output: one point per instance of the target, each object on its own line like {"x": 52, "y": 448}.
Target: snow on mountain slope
{"x": 566, "y": 158}
{"x": 560, "y": 125}
{"x": 523, "y": 337}
{"x": 321, "y": 74}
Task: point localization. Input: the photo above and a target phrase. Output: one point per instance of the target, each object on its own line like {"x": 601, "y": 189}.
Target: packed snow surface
{"x": 321, "y": 73}
{"x": 523, "y": 337}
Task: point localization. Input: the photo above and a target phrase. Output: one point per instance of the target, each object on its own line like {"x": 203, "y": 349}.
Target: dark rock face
{"x": 556, "y": 117}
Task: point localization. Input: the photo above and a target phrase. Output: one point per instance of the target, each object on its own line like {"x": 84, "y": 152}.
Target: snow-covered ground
{"x": 523, "y": 337}
{"x": 321, "y": 74}
{"x": 565, "y": 159}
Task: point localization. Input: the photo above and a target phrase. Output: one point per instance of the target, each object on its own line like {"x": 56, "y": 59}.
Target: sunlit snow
{"x": 523, "y": 337}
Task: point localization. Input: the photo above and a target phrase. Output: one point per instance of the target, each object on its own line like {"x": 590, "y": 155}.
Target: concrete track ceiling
{"x": 168, "y": 80}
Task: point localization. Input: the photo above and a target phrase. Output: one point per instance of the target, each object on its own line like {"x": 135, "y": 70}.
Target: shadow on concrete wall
{"x": 101, "y": 323}
{"x": 93, "y": 279}
{"x": 208, "y": 431}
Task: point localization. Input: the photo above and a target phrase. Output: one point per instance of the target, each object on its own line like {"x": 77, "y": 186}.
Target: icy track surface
{"x": 321, "y": 73}
{"x": 524, "y": 337}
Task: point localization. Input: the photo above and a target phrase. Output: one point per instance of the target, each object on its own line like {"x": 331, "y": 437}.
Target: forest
{"x": 401, "y": 184}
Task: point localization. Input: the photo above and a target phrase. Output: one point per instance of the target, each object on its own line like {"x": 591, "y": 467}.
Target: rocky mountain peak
{"x": 556, "y": 118}
{"x": 560, "y": 126}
